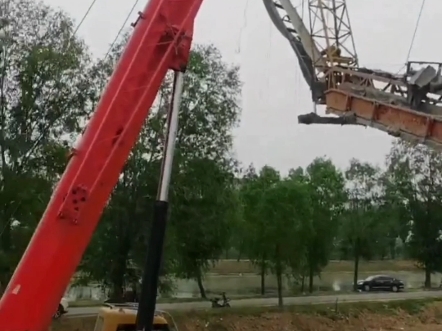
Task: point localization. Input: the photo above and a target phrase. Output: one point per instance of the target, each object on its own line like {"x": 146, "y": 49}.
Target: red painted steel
{"x": 396, "y": 120}
{"x": 161, "y": 41}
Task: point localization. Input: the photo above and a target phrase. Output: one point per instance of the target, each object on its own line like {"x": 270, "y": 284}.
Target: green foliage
{"x": 43, "y": 96}
{"x": 202, "y": 193}
{"x": 415, "y": 177}
{"x": 276, "y": 215}
{"x": 254, "y": 229}
{"x": 326, "y": 188}
{"x": 205, "y": 208}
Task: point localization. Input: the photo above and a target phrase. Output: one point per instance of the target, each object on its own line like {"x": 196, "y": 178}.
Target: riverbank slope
{"x": 406, "y": 315}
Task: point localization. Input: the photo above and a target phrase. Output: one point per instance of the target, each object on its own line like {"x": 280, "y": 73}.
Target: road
{"x": 263, "y": 302}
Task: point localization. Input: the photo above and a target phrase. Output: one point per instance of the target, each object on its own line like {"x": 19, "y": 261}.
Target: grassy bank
{"x": 224, "y": 267}
{"x": 400, "y": 313}
{"x": 411, "y": 306}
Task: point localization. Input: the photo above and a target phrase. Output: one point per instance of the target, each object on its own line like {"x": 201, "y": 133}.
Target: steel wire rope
{"x": 112, "y": 45}
{"x": 108, "y": 52}
{"x": 413, "y": 37}
{"x": 65, "y": 51}
{"x": 120, "y": 31}
{"x": 86, "y": 14}
{"x": 416, "y": 28}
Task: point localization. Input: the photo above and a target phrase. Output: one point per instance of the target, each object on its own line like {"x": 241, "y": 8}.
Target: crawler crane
{"x": 407, "y": 106}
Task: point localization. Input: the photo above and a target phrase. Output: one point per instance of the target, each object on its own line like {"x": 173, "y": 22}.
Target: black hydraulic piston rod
{"x": 149, "y": 285}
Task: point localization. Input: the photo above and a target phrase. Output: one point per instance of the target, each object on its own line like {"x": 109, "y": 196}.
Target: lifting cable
{"x": 111, "y": 47}
{"x": 6, "y": 13}
{"x": 120, "y": 31}
{"x": 86, "y": 14}
{"x": 84, "y": 17}
{"x": 415, "y": 30}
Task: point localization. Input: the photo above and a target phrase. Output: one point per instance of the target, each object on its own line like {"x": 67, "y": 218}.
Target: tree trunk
{"x": 6, "y": 235}
{"x": 355, "y": 272}
{"x": 427, "y": 277}
{"x": 310, "y": 279}
{"x": 393, "y": 249}
{"x": 263, "y": 278}
{"x": 303, "y": 283}
{"x": 279, "y": 283}
{"x": 238, "y": 257}
{"x": 117, "y": 292}
{"x": 118, "y": 272}
{"x": 199, "y": 280}
{"x": 5, "y": 242}
{"x": 119, "y": 265}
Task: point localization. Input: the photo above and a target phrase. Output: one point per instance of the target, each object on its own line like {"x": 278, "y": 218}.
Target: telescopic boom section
{"x": 161, "y": 41}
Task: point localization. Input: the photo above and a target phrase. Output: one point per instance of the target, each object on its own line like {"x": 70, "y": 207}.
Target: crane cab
{"x": 122, "y": 317}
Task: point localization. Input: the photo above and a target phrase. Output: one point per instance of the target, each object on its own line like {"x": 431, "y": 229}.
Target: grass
{"x": 225, "y": 267}
{"x": 410, "y": 306}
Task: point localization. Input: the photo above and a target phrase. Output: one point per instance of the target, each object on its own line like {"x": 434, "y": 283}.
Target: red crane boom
{"x": 161, "y": 41}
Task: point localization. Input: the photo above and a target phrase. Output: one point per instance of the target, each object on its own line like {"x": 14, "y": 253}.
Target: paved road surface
{"x": 306, "y": 300}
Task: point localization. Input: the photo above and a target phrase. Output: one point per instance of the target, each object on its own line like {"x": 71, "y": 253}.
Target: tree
{"x": 326, "y": 187}
{"x": 359, "y": 223}
{"x": 286, "y": 207}
{"x": 254, "y": 227}
{"x": 43, "y": 96}
{"x": 393, "y": 209}
{"x": 204, "y": 211}
{"x": 204, "y": 196}
{"x": 416, "y": 175}
{"x": 203, "y": 199}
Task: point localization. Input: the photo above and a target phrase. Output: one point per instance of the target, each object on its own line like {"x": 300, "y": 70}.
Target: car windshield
{"x": 370, "y": 278}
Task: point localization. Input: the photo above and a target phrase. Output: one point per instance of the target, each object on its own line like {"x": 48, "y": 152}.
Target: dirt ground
{"x": 428, "y": 319}
{"x": 244, "y": 266}
{"x": 402, "y": 316}
{"x": 299, "y": 322}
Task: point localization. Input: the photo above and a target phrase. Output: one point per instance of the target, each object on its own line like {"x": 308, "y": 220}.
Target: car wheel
{"x": 58, "y": 313}
{"x": 394, "y": 288}
{"x": 367, "y": 288}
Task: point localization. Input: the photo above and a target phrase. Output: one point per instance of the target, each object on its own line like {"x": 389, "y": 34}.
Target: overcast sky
{"x": 274, "y": 92}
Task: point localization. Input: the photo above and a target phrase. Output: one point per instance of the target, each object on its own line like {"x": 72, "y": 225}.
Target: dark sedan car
{"x": 381, "y": 283}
